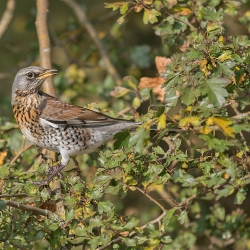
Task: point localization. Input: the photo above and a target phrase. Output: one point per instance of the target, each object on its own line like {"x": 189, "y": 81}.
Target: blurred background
{"x": 82, "y": 77}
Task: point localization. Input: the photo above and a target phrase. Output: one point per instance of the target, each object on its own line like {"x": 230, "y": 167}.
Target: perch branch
{"x": 7, "y": 16}
{"x": 44, "y": 48}
{"x": 83, "y": 19}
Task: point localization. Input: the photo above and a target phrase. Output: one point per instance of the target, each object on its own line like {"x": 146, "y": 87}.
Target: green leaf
{"x": 129, "y": 242}
{"x": 4, "y": 171}
{"x": 150, "y": 15}
{"x": 122, "y": 139}
{"x": 183, "y": 217}
{"x": 2, "y": 205}
{"x": 158, "y": 150}
{"x": 189, "y": 95}
{"x": 112, "y": 189}
{"x": 215, "y": 91}
{"x": 131, "y": 223}
{"x": 105, "y": 207}
{"x": 170, "y": 99}
{"x": 240, "y": 196}
{"x": 168, "y": 216}
{"x": 138, "y": 139}
{"x": 215, "y": 143}
{"x": 124, "y": 8}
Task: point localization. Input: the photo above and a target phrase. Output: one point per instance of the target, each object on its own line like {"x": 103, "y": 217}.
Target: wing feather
{"x": 61, "y": 113}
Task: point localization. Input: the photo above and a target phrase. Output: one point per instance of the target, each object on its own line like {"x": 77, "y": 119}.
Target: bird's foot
{"x": 53, "y": 171}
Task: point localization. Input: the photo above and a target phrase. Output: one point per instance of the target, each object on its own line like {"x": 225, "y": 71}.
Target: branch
{"x": 44, "y": 47}
{"x": 44, "y": 42}
{"x": 151, "y": 198}
{"x": 7, "y": 16}
{"x": 20, "y": 195}
{"x": 83, "y": 19}
{"x": 31, "y": 209}
{"x": 20, "y": 152}
{"x": 158, "y": 219}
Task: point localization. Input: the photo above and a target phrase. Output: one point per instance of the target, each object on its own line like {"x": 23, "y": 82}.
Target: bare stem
{"x": 7, "y": 16}
{"x": 83, "y": 19}
{"x": 44, "y": 42}
{"x": 26, "y": 208}
{"x": 151, "y": 198}
{"x": 21, "y": 152}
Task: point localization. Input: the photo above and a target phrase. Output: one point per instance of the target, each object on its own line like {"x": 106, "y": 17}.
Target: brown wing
{"x": 58, "y": 112}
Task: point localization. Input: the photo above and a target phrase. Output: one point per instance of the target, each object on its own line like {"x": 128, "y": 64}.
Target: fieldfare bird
{"x": 56, "y": 125}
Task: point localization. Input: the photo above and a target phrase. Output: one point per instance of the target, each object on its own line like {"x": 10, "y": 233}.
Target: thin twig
{"x": 151, "y": 198}
{"x": 21, "y": 152}
{"x": 7, "y": 16}
{"x": 13, "y": 195}
{"x": 158, "y": 219}
{"x": 83, "y": 19}
{"x": 179, "y": 19}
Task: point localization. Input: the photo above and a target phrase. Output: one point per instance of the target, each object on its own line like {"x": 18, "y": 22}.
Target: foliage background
{"x": 184, "y": 186}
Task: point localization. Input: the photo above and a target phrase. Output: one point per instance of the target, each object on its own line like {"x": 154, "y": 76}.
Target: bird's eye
{"x": 30, "y": 75}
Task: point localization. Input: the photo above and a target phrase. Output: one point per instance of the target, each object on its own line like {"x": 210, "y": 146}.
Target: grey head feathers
{"x": 29, "y": 80}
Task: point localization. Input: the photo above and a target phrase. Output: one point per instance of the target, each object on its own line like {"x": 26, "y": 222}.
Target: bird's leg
{"x": 75, "y": 161}
{"x": 53, "y": 172}
{"x": 52, "y": 169}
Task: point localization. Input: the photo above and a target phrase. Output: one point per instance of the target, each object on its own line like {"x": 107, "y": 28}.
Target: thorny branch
{"x": 83, "y": 19}
{"x": 7, "y": 16}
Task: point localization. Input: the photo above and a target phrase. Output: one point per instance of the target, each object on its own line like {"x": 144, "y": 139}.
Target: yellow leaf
{"x": 2, "y": 157}
{"x": 193, "y": 120}
{"x": 226, "y": 55}
{"x": 221, "y": 39}
{"x": 157, "y": 188}
{"x": 210, "y": 121}
{"x": 240, "y": 154}
{"x": 224, "y": 124}
{"x": 213, "y": 26}
{"x": 184, "y": 165}
{"x": 148, "y": 2}
{"x": 162, "y": 121}
{"x": 132, "y": 188}
{"x": 203, "y": 64}
{"x": 189, "y": 108}
{"x": 231, "y": 191}
{"x": 119, "y": 91}
{"x": 136, "y": 103}
{"x": 79, "y": 213}
{"x": 185, "y": 12}
{"x": 205, "y": 130}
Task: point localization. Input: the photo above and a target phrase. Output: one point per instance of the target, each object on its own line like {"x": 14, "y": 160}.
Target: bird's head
{"x": 29, "y": 80}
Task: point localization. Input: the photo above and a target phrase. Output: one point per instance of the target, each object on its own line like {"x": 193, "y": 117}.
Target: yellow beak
{"x": 47, "y": 73}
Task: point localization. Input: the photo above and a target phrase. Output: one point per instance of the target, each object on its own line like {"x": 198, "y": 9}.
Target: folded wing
{"x": 58, "y": 113}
